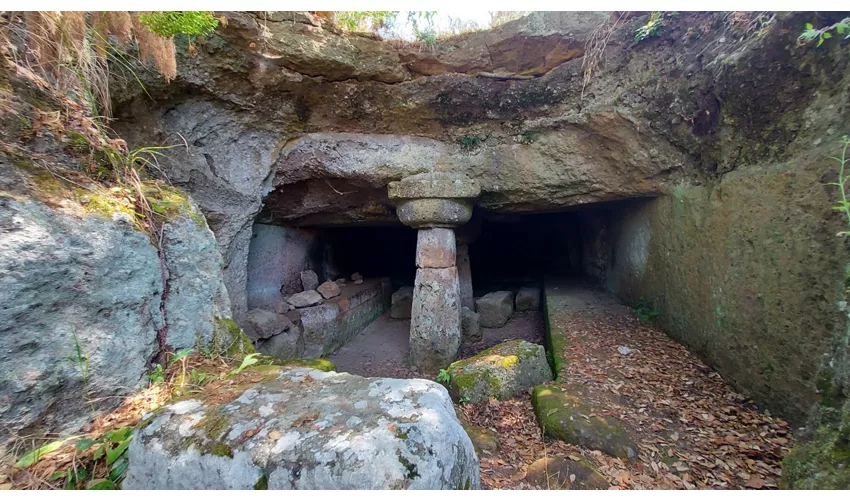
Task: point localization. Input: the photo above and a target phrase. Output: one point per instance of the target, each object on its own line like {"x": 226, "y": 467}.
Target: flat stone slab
{"x": 495, "y": 309}
{"x": 528, "y": 299}
{"x": 304, "y": 429}
{"x": 434, "y": 185}
{"x": 305, "y": 299}
{"x": 556, "y": 473}
{"x": 499, "y": 372}
{"x": 563, "y": 414}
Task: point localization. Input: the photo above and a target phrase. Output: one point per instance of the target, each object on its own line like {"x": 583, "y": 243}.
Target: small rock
{"x": 340, "y": 281}
{"x": 305, "y": 299}
{"x": 123, "y": 218}
{"x": 356, "y": 276}
{"x": 528, "y": 299}
{"x": 495, "y": 309}
{"x": 469, "y": 325}
{"x": 625, "y": 351}
{"x": 402, "y": 302}
{"x": 261, "y": 324}
{"x": 483, "y": 439}
{"x": 309, "y": 280}
{"x": 328, "y": 289}
{"x": 358, "y": 282}
{"x": 282, "y": 307}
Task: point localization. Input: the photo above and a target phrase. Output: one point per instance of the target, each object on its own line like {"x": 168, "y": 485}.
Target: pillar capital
{"x": 434, "y": 199}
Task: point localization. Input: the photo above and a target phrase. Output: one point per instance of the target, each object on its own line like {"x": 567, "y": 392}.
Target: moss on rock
{"x": 822, "y": 462}
{"x": 564, "y": 415}
{"x": 228, "y": 338}
{"x": 500, "y": 371}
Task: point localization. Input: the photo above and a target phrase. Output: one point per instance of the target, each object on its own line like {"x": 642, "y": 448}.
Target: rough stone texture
{"x": 402, "y": 302}
{"x": 470, "y": 325}
{"x": 328, "y": 289}
{"x": 261, "y": 324}
{"x": 565, "y": 474}
{"x": 356, "y": 277}
{"x": 329, "y": 326}
{"x": 561, "y": 414}
{"x": 276, "y": 257}
{"x": 74, "y": 280}
{"x": 448, "y": 185}
{"x": 483, "y": 439}
{"x": 434, "y": 212}
{"x": 500, "y": 372}
{"x": 309, "y": 280}
{"x": 305, "y": 299}
{"x": 528, "y": 299}
{"x": 435, "y": 248}
{"x": 284, "y": 345}
{"x": 435, "y": 334}
{"x": 464, "y": 273}
{"x": 310, "y": 430}
{"x": 495, "y": 309}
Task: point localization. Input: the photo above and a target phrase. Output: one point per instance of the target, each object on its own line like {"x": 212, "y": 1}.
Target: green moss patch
{"x": 822, "y": 462}
{"x": 562, "y": 414}
{"x": 228, "y": 338}
{"x": 500, "y": 372}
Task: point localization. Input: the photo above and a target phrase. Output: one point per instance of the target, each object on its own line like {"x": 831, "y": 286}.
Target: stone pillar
{"x": 465, "y": 275}
{"x": 434, "y": 203}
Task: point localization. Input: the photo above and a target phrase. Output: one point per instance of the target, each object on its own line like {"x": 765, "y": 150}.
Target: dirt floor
{"x": 381, "y": 349}
{"x": 693, "y": 430}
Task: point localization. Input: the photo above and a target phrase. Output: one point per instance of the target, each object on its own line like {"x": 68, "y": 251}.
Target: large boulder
{"x": 528, "y": 299}
{"x": 495, "y": 309}
{"x": 562, "y": 414}
{"x": 401, "y": 302}
{"x": 301, "y": 428}
{"x": 84, "y": 307}
{"x": 470, "y": 326}
{"x": 500, "y": 371}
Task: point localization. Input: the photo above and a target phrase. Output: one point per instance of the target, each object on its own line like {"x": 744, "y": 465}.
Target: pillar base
{"x": 435, "y": 333}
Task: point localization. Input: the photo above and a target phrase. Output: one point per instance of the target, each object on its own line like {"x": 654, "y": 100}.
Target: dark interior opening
{"x": 373, "y": 251}
{"x": 516, "y": 249}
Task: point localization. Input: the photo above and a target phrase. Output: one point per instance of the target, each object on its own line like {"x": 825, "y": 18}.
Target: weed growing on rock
{"x": 652, "y": 28}
{"x": 168, "y": 24}
{"x": 843, "y": 205}
{"x": 645, "y": 312}
{"x": 443, "y": 377}
{"x": 810, "y": 33}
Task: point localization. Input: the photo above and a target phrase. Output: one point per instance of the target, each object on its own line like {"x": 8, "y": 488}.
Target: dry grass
{"x": 40, "y": 476}
{"x": 594, "y": 48}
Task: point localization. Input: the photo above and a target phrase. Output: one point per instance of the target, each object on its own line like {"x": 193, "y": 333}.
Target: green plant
{"x": 527, "y": 138}
{"x": 365, "y": 20}
{"x": 463, "y": 400}
{"x": 843, "y": 205}
{"x": 645, "y": 312}
{"x": 472, "y": 141}
{"x": 825, "y": 33}
{"x": 111, "y": 448}
{"x": 652, "y": 28}
{"x": 191, "y": 23}
{"x": 247, "y": 361}
{"x": 81, "y": 361}
{"x": 158, "y": 375}
{"x": 35, "y": 455}
{"x": 443, "y": 377}
{"x": 198, "y": 377}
